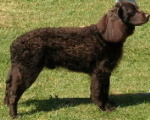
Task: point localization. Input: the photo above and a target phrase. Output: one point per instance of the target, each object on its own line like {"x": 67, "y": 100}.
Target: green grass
{"x": 64, "y": 95}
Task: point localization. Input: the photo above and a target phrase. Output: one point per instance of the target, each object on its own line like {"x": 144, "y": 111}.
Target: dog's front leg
{"x": 100, "y": 89}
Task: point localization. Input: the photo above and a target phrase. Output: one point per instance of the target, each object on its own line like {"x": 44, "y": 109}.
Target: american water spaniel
{"x": 95, "y": 50}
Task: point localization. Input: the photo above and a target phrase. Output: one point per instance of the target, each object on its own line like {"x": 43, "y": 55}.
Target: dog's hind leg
{"x": 11, "y": 95}
{"x": 20, "y": 78}
{"x": 8, "y": 81}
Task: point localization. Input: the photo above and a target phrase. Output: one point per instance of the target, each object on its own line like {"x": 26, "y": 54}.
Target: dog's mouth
{"x": 137, "y": 21}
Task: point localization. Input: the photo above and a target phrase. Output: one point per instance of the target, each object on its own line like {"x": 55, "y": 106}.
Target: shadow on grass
{"x": 53, "y": 104}
{"x": 123, "y": 100}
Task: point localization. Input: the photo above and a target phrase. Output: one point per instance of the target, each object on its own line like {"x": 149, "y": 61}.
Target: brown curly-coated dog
{"x": 95, "y": 50}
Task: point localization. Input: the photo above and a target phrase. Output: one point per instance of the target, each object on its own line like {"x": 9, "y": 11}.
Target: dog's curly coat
{"x": 94, "y": 49}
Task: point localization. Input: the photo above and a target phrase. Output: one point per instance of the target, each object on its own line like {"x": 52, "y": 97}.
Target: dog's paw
{"x": 15, "y": 116}
{"x": 109, "y": 106}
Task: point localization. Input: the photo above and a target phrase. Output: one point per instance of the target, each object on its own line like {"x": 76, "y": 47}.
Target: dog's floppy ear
{"x": 112, "y": 29}
{"x": 120, "y": 11}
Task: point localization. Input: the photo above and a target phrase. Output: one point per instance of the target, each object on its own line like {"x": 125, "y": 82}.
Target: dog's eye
{"x": 131, "y": 12}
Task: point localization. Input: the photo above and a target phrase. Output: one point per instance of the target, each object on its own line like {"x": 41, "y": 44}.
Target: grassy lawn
{"x": 64, "y": 95}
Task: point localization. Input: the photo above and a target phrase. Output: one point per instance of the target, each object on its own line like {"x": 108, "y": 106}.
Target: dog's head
{"x": 120, "y": 21}
{"x": 130, "y": 13}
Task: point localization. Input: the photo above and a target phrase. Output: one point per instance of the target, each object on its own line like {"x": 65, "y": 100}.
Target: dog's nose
{"x": 147, "y": 16}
